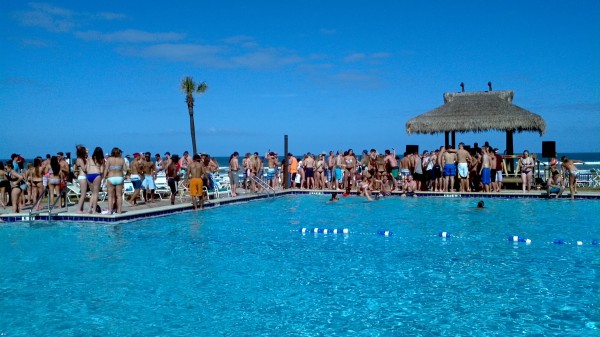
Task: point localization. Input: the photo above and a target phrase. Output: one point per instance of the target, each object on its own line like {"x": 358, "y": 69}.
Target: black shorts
{"x": 493, "y": 175}
{"x": 418, "y": 176}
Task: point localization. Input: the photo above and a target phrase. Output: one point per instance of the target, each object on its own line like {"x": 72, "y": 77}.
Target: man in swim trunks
{"x": 485, "y": 171}
{"x": 184, "y": 162}
{"x": 463, "y": 158}
{"x": 448, "y": 161}
{"x": 149, "y": 172}
{"x": 391, "y": 165}
{"x": 234, "y": 176}
{"x": 409, "y": 188}
{"x": 405, "y": 165}
{"x": 568, "y": 165}
{"x": 173, "y": 176}
{"x": 555, "y": 185}
{"x": 194, "y": 177}
{"x": 309, "y": 171}
{"x": 331, "y": 171}
{"x": 136, "y": 181}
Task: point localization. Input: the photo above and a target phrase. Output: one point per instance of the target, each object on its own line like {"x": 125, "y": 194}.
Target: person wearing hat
{"x": 499, "y": 168}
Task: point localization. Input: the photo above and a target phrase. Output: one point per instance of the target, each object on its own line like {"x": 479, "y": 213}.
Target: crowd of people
{"x": 465, "y": 169}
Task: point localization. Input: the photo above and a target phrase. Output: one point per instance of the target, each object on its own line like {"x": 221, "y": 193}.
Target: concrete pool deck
{"x": 163, "y": 207}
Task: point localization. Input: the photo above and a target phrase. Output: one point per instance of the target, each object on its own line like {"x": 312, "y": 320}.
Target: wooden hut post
{"x": 454, "y": 139}
{"x": 510, "y": 149}
{"x": 446, "y": 139}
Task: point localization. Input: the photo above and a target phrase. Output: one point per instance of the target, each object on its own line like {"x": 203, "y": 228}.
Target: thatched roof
{"x": 477, "y": 112}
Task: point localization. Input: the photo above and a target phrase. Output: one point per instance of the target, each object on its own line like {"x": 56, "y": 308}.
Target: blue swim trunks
{"x": 338, "y": 173}
{"x": 449, "y": 170}
{"x": 486, "y": 176}
{"x": 554, "y": 190}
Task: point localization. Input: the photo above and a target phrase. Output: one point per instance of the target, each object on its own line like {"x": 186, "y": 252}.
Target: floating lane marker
{"x": 445, "y": 235}
{"x": 384, "y": 233}
{"x": 305, "y": 230}
{"x": 516, "y": 238}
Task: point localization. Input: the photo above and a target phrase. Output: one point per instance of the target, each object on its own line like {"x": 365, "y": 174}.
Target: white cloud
{"x": 129, "y": 35}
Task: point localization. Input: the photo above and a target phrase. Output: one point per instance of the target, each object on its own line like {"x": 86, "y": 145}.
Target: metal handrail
{"x": 264, "y": 185}
{"x": 60, "y": 196}
{"x": 37, "y": 201}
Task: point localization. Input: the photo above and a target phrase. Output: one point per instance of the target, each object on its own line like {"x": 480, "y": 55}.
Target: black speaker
{"x": 548, "y": 149}
{"x": 410, "y": 149}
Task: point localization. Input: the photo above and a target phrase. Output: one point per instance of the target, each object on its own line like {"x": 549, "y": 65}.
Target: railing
{"x": 61, "y": 195}
{"x": 32, "y": 211}
{"x": 270, "y": 190}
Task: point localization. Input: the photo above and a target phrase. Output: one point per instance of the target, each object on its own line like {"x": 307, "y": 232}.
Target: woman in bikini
{"x": 35, "y": 178}
{"x": 54, "y": 178}
{"x": 80, "y": 173}
{"x": 4, "y": 185}
{"x": 94, "y": 170}
{"x": 526, "y": 164}
{"x": 113, "y": 173}
{"x": 16, "y": 180}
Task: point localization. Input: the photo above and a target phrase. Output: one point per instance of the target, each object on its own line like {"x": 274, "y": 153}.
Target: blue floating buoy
{"x": 384, "y": 233}
{"x": 559, "y": 242}
{"x": 594, "y": 242}
{"x": 444, "y": 235}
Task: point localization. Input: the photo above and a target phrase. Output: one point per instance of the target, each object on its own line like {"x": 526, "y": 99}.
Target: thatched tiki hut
{"x": 477, "y": 112}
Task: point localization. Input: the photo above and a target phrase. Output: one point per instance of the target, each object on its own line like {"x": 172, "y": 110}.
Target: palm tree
{"x": 188, "y": 86}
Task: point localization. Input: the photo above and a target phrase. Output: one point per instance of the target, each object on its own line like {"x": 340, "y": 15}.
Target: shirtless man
{"x": 309, "y": 171}
{"x": 272, "y": 170}
{"x": 555, "y": 185}
{"x": 184, "y": 162}
{"x": 440, "y": 167}
{"x": 194, "y": 177}
{"x": 448, "y": 160}
{"x": 463, "y": 158}
{"x": 149, "y": 172}
{"x": 391, "y": 165}
{"x": 136, "y": 181}
{"x": 234, "y": 177}
{"x": 499, "y": 168}
{"x": 485, "y": 172}
{"x": 339, "y": 166}
{"x": 405, "y": 164}
{"x": 254, "y": 164}
{"x": 331, "y": 165}
{"x": 569, "y": 166}
{"x": 493, "y": 164}
{"x": 410, "y": 187}
{"x": 172, "y": 176}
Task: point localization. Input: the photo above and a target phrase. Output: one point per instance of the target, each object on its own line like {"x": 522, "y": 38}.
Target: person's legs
{"x": 119, "y": 197}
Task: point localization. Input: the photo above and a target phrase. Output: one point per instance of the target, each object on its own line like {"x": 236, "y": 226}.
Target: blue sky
{"x": 331, "y": 75}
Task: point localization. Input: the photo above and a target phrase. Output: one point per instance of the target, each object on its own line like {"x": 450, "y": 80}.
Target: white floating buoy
{"x": 580, "y": 243}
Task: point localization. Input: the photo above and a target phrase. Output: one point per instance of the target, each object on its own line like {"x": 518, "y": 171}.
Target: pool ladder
{"x": 51, "y": 207}
{"x": 270, "y": 190}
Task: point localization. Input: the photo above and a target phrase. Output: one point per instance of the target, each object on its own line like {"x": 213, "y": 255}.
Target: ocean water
{"x": 247, "y": 269}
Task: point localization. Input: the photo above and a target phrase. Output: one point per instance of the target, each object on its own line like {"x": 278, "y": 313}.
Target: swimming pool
{"x": 247, "y": 270}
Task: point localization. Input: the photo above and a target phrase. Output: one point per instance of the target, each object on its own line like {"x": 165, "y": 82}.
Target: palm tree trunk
{"x": 192, "y": 130}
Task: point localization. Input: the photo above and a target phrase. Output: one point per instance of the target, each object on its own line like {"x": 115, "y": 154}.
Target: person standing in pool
{"x": 194, "y": 176}
{"x": 568, "y": 165}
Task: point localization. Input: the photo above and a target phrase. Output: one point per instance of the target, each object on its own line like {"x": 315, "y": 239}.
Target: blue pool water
{"x": 245, "y": 270}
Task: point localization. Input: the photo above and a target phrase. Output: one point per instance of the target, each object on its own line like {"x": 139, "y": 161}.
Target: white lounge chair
{"x": 162, "y": 186}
